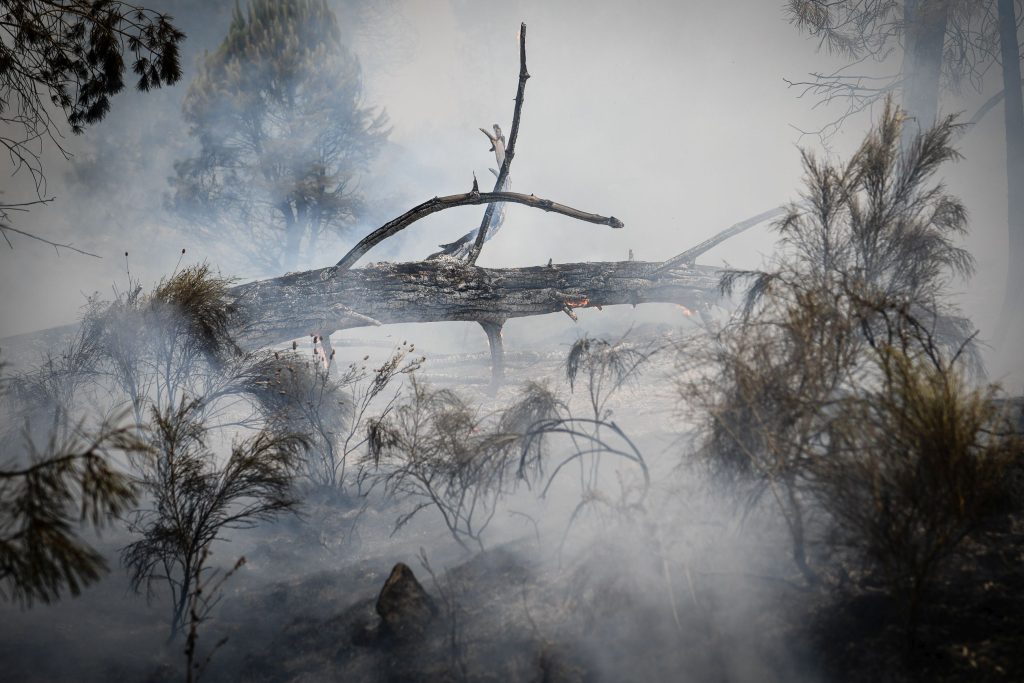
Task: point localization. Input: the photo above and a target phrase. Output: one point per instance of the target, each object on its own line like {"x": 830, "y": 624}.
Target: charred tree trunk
{"x": 300, "y": 304}
{"x": 293, "y": 237}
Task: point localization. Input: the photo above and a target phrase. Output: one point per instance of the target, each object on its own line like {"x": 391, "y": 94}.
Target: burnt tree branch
{"x": 471, "y": 198}
{"x": 461, "y": 247}
{"x": 510, "y": 149}
{"x": 690, "y": 255}
{"x": 497, "y": 347}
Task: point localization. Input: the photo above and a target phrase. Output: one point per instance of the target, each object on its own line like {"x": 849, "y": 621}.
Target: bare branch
{"x": 4, "y": 229}
{"x": 690, "y": 255}
{"x": 510, "y": 149}
{"x": 984, "y": 109}
{"x": 468, "y": 199}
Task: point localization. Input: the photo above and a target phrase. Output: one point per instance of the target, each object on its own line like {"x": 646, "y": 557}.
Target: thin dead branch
{"x": 510, "y": 149}
{"x": 690, "y": 255}
{"x": 5, "y": 228}
{"x": 471, "y": 198}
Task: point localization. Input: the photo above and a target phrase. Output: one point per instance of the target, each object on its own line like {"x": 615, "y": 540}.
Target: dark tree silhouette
{"x": 1014, "y": 121}
{"x": 69, "y": 56}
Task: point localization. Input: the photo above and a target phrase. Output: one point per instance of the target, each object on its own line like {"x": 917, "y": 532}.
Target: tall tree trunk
{"x": 924, "y": 33}
{"x": 1013, "y": 107}
{"x": 313, "y": 243}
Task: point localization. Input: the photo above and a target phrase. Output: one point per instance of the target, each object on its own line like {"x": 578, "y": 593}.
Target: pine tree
{"x": 277, "y": 112}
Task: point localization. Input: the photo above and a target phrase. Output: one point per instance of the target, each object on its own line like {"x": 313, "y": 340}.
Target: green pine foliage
{"x": 60, "y": 63}
{"x": 45, "y": 500}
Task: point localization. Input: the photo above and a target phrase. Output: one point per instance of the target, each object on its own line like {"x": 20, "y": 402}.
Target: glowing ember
{"x": 577, "y": 303}
{"x": 686, "y": 311}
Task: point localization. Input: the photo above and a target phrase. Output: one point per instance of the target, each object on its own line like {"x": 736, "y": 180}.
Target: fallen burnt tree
{"x": 318, "y": 302}
{"x": 450, "y": 287}
{"x": 446, "y": 288}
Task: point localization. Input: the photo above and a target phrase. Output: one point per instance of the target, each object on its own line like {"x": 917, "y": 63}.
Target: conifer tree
{"x": 277, "y": 112}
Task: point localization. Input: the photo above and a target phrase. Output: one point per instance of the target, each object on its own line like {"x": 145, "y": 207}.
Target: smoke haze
{"x": 673, "y": 116}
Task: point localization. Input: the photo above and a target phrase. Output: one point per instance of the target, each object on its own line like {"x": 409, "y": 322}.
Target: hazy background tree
{"x": 946, "y": 44}
{"x": 283, "y": 135}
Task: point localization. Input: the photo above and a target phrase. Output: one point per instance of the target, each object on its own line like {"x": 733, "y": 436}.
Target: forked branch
{"x": 471, "y": 198}
{"x": 510, "y": 149}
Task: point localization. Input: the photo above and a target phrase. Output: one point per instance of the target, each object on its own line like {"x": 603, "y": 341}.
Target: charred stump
{"x": 405, "y": 608}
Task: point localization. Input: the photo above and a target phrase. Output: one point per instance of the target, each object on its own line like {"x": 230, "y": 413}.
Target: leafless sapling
{"x": 192, "y": 501}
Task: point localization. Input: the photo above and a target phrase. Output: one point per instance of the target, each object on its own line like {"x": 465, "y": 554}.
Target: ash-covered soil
{"x": 689, "y": 586}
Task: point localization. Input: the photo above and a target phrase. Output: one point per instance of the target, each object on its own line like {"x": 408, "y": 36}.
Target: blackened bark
{"x": 299, "y": 304}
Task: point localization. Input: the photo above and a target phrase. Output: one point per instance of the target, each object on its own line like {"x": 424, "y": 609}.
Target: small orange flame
{"x": 686, "y": 311}
{"x": 577, "y": 303}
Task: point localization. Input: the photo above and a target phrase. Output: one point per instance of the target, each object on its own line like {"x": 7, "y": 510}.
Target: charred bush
{"x": 915, "y": 464}
{"x": 435, "y": 448}
{"x": 175, "y": 344}
{"x": 867, "y": 258}
{"x": 192, "y": 500}
{"x": 302, "y": 396}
